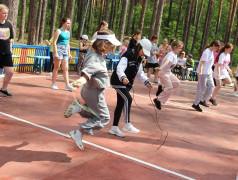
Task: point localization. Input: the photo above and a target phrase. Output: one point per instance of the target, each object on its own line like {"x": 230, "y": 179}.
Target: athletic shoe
{"x": 76, "y": 135}
{"x": 213, "y": 101}
{"x": 197, "y": 107}
{"x": 204, "y": 103}
{"x": 235, "y": 93}
{"x": 157, "y": 104}
{"x": 155, "y": 83}
{"x": 73, "y": 108}
{"x": 6, "y": 93}
{"x": 49, "y": 74}
{"x": 159, "y": 90}
{"x": 116, "y": 131}
{"x": 69, "y": 88}
{"x": 54, "y": 86}
{"x": 130, "y": 128}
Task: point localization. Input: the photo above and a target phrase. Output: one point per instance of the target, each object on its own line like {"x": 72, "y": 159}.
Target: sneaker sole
{"x": 116, "y": 134}
{"x": 133, "y": 132}
{"x": 69, "y": 109}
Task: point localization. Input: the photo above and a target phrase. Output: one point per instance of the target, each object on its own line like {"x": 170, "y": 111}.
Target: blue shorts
{"x": 62, "y": 51}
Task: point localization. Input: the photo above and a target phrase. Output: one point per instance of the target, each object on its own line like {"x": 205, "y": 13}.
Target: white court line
{"x": 100, "y": 147}
{"x": 179, "y": 105}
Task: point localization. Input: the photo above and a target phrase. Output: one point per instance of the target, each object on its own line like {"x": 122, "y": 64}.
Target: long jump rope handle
{"x": 74, "y": 84}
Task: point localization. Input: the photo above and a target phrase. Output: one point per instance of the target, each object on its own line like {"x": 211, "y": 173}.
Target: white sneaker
{"x": 54, "y": 86}
{"x": 76, "y": 135}
{"x": 73, "y": 108}
{"x": 116, "y": 131}
{"x": 130, "y": 128}
{"x": 235, "y": 93}
{"x": 69, "y": 88}
{"x": 49, "y": 74}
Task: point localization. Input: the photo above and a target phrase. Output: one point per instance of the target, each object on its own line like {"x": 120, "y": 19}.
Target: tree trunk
{"x": 38, "y": 21}
{"x": 13, "y": 12}
{"x": 70, "y": 13}
{"x": 81, "y": 8}
{"x": 197, "y": 26}
{"x": 195, "y": 13}
{"x": 123, "y": 19}
{"x": 159, "y": 17}
{"x": 63, "y": 6}
{"x": 84, "y": 19}
{"x": 233, "y": 7}
{"x": 118, "y": 20}
{"x": 142, "y": 15}
{"x": 107, "y": 10}
{"x": 111, "y": 14}
{"x": 130, "y": 15}
{"x": 234, "y": 43}
{"x": 169, "y": 16}
{"x": 53, "y": 18}
{"x": 186, "y": 25}
{"x": 189, "y": 23}
{"x": 32, "y": 23}
{"x": 219, "y": 18}
{"x": 114, "y": 14}
{"x": 179, "y": 15}
{"x": 101, "y": 12}
{"x": 153, "y": 18}
{"x": 43, "y": 18}
{"x": 207, "y": 24}
{"x": 90, "y": 16}
{"x": 22, "y": 24}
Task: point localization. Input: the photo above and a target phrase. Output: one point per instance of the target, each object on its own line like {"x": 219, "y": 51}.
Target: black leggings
{"x": 124, "y": 100}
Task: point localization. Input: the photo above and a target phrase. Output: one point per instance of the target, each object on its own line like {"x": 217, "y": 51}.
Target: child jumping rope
{"x": 122, "y": 80}
{"x": 95, "y": 79}
{"x": 221, "y": 70}
{"x": 204, "y": 72}
{"x": 167, "y": 79}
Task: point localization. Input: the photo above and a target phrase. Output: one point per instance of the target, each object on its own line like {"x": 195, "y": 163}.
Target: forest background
{"x": 195, "y": 22}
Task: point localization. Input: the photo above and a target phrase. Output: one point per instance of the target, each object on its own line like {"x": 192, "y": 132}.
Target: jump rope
{"x": 156, "y": 121}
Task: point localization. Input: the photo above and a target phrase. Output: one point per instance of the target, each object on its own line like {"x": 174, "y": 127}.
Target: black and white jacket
{"x": 128, "y": 68}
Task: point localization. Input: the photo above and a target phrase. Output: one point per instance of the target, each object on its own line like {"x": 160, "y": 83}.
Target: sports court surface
{"x": 34, "y": 141}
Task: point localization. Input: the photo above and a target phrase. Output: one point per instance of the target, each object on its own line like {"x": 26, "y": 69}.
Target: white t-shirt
{"x": 224, "y": 61}
{"x": 181, "y": 62}
{"x": 172, "y": 57}
{"x": 208, "y": 57}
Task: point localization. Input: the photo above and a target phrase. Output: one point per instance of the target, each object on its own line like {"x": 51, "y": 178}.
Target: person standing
{"x": 204, "y": 72}
{"x": 83, "y": 48}
{"x": 189, "y": 65}
{"x": 152, "y": 61}
{"x": 163, "y": 50}
{"x": 222, "y": 70}
{"x": 135, "y": 39}
{"x": 181, "y": 65}
{"x": 51, "y": 65}
{"x": 62, "y": 54}
{"x": 6, "y": 34}
{"x": 102, "y": 26}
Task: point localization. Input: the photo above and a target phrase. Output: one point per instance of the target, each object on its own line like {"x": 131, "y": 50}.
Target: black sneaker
{"x": 159, "y": 90}
{"x": 197, "y": 107}
{"x": 6, "y": 93}
{"x": 213, "y": 101}
{"x": 204, "y": 103}
{"x": 157, "y": 104}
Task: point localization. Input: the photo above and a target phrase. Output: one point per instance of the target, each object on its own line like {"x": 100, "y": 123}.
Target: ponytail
{"x": 217, "y": 43}
{"x": 226, "y": 46}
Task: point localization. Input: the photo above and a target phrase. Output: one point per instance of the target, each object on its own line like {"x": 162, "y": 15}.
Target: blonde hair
{"x": 2, "y": 6}
{"x": 100, "y": 45}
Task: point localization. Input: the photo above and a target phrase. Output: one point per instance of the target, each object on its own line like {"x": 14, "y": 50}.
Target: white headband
{"x": 112, "y": 38}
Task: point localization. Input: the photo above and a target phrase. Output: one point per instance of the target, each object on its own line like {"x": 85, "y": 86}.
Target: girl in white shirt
{"x": 221, "y": 70}
{"x": 168, "y": 80}
{"x": 204, "y": 72}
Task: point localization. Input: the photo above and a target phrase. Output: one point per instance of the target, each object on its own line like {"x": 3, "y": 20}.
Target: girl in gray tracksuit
{"x": 95, "y": 79}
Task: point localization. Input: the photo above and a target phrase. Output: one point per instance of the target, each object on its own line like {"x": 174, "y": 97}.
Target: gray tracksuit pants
{"x": 95, "y": 100}
{"x": 204, "y": 88}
